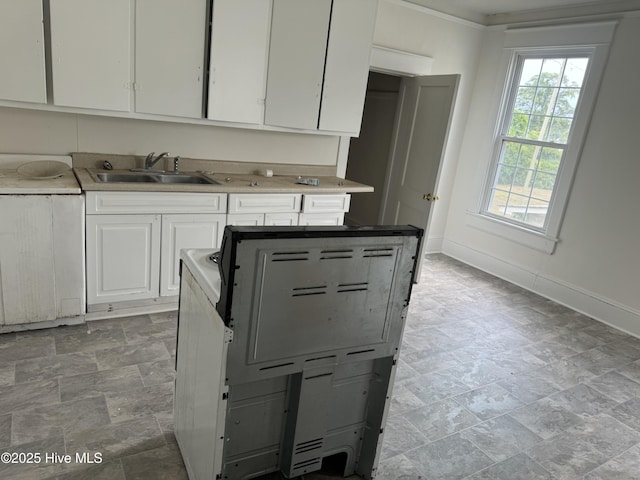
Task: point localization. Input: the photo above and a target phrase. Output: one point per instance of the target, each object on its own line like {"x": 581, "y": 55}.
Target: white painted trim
{"x": 597, "y": 33}
{"x": 396, "y": 62}
{"x": 596, "y": 306}
{"x": 436, "y": 13}
{"x": 521, "y": 235}
{"x": 342, "y": 156}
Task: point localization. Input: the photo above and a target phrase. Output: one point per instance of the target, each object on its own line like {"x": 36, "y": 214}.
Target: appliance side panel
{"x": 201, "y": 395}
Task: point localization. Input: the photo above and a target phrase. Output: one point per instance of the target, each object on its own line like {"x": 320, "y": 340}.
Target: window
{"x": 552, "y": 77}
{"x": 544, "y": 94}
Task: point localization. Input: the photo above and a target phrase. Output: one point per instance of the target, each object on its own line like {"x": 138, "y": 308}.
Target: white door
{"x": 185, "y": 231}
{"x": 170, "y": 40}
{"x": 123, "y": 257}
{"x": 22, "y": 76}
{"x": 91, "y": 53}
{"x": 425, "y": 116}
{"x": 238, "y": 60}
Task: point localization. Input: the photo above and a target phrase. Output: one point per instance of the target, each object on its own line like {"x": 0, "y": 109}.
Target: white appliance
{"x": 42, "y": 281}
{"x": 287, "y": 352}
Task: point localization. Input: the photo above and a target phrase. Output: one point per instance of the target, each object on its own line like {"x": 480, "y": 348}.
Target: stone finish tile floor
{"x": 493, "y": 383}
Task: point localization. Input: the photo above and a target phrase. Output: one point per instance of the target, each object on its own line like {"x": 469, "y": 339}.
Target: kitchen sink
{"x": 153, "y": 177}
{"x": 180, "y": 178}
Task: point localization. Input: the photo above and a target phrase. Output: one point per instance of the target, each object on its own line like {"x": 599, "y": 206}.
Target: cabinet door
{"x": 299, "y": 30}
{"x": 238, "y": 60}
{"x": 347, "y": 66}
{"x": 123, "y": 257}
{"x": 91, "y": 53}
{"x": 170, "y": 40}
{"x": 22, "y": 74}
{"x": 185, "y": 231}
{"x": 27, "y": 271}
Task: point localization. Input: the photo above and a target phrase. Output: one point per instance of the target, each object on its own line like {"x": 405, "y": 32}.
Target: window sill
{"x": 528, "y": 238}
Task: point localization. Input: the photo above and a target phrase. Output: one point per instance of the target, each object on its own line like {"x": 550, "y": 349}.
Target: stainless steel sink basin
{"x": 153, "y": 177}
{"x": 180, "y": 178}
{"x": 125, "y": 177}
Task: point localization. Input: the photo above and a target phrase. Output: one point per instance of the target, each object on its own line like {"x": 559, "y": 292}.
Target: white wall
{"x": 454, "y": 46}
{"x": 596, "y": 266}
{"x": 46, "y": 132}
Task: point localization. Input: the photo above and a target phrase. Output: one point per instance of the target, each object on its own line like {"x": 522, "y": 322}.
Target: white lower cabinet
{"x": 134, "y": 241}
{"x": 123, "y": 257}
{"x": 134, "y": 238}
{"x": 185, "y": 231}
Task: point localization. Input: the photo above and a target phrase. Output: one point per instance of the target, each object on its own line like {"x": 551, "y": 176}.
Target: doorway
{"x": 370, "y": 153}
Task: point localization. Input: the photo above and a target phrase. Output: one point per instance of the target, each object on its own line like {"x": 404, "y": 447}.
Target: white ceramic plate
{"x": 43, "y": 169}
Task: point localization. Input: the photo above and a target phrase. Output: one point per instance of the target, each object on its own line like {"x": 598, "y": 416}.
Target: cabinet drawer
{"x": 285, "y": 219}
{"x": 317, "y": 219}
{"x": 155, "y": 202}
{"x": 264, "y": 203}
{"x": 246, "y": 219}
{"x": 326, "y": 203}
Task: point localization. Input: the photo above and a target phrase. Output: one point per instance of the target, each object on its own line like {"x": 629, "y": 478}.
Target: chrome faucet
{"x": 149, "y": 161}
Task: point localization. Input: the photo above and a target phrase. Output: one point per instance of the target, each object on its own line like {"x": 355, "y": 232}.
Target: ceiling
{"x": 506, "y": 11}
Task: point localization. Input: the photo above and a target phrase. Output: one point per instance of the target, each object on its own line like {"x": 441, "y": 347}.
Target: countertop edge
{"x": 238, "y": 183}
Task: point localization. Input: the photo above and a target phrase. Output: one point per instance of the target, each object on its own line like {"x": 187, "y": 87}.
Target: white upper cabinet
{"x": 238, "y": 60}
{"x": 91, "y": 53}
{"x": 319, "y": 63}
{"x": 169, "y": 65}
{"x": 22, "y": 71}
{"x": 299, "y": 30}
{"x": 347, "y": 65}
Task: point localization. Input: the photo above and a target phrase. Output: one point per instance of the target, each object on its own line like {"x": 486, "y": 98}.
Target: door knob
{"x": 429, "y": 197}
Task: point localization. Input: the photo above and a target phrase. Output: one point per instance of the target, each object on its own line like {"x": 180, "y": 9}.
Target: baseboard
{"x": 22, "y": 327}
{"x": 596, "y": 306}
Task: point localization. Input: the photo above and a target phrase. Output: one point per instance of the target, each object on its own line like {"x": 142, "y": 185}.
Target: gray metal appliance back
{"x": 292, "y": 294}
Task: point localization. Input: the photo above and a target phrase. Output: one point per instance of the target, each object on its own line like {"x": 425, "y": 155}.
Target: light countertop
{"x": 13, "y": 183}
{"x": 227, "y": 183}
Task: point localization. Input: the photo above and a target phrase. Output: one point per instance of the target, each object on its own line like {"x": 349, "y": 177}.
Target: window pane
{"x": 574, "y": 72}
{"x": 519, "y": 124}
{"x": 524, "y": 99}
{"x": 551, "y": 73}
{"x": 530, "y": 71}
{"x": 550, "y": 160}
{"x": 544, "y": 101}
{"x": 543, "y": 185}
{"x": 559, "y": 130}
{"x": 505, "y": 177}
{"x": 566, "y": 103}
{"x": 538, "y": 127}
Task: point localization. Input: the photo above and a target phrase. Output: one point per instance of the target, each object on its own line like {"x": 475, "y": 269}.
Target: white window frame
{"x": 583, "y": 39}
